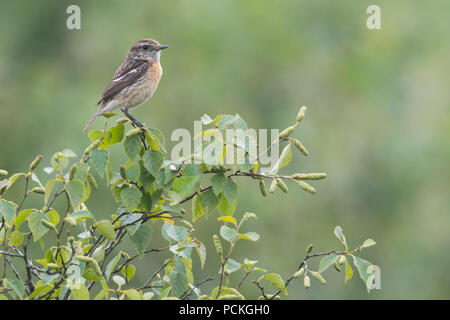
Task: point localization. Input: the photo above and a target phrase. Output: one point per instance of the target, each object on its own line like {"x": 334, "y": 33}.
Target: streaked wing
{"x": 125, "y": 76}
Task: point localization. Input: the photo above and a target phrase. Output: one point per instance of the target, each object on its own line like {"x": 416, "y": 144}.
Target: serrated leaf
{"x": 326, "y": 262}
{"x": 7, "y": 210}
{"x": 17, "y": 287}
{"x": 21, "y": 217}
{"x": 117, "y": 133}
{"x": 99, "y": 159}
{"x": 153, "y": 160}
{"x": 35, "y": 225}
{"x": 363, "y": 267}
{"x": 53, "y": 216}
{"x": 106, "y": 229}
{"x": 218, "y": 182}
{"x": 133, "y": 294}
{"x": 340, "y": 235}
{"x": 277, "y": 282}
{"x": 178, "y": 278}
{"x": 252, "y": 236}
{"x": 128, "y": 271}
{"x": 227, "y": 219}
{"x": 348, "y": 271}
{"x": 197, "y": 209}
{"x": 201, "y": 250}
{"x": 368, "y": 243}
{"x": 111, "y": 265}
{"x": 75, "y": 190}
{"x": 16, "y": 238}
{"x": 228, "y": 234}
{"x": 230, "y": 190}
{"x": 225, "y": 208}
{"x": 132, "y": 146}
{"x": 131, "y": 197}
{"x": 80, "y": 292}
{"x": 232, "y": 265}
{"x": 141, "y": 238}
{"x": 173, "y": 232}
{"x": 185, "y": 185}
{"x": 209, "y": 201}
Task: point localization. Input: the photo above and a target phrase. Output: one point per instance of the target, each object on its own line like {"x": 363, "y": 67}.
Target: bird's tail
{"x": 99, "y": 112}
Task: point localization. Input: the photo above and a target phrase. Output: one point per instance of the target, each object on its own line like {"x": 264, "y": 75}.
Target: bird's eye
{"x": 145, "y": 47}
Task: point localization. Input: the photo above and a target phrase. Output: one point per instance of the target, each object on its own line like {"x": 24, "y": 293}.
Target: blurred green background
{"x": 377, "y": 121}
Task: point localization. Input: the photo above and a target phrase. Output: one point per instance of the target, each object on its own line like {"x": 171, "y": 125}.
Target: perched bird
{"x": 135, "y": 81}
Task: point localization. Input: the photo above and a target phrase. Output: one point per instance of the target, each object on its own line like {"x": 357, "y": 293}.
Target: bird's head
{"x": 147, "y": 49}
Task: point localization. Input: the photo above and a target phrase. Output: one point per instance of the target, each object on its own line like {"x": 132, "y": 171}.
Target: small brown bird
{"x": 135, "y": 81}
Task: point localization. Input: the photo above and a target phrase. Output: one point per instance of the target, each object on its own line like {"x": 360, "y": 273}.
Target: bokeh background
{"x": 377, "y": 121}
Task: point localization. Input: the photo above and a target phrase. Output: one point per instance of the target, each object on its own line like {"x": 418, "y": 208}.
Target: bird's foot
{"x": 132, "y": 118}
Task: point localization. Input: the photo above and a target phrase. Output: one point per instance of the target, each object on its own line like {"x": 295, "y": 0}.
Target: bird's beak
{"x": 161, "y": 47}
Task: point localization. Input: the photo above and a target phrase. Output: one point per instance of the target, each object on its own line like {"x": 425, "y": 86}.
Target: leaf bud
{"x": 306, "y": 282}
{"x": 262, "y": 187}
{"x": 72, "y": 171}
{"x": 273, "y": 186}
{"x": 336, "y": 266}
{"x": 341, "y": 260}
{"x": 309, "y": 176}
{"x": 301, "y": 113}
{"x": 38, "y": 190}
{"x": 3, "y": 172}
{"x": 122, "y": 120}
{"x": 123, "y": 172}
{"x": 286, "y": 132}
{"x": 133, "y": 132}
{"x": 299, "y": 273}
{"x": 35, "y": 162}
{"x": 300, "y": 147}
{"x": 92, "y": 146}
{"x": 282, "y": 185}
{"x": 309, "y": 249}
{"x": 319, "y": 277}
{"x": 306, "y": 187}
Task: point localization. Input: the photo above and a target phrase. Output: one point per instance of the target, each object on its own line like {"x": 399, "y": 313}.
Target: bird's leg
{"x": 135, "y": 123}
{"x": 132, "y": 118}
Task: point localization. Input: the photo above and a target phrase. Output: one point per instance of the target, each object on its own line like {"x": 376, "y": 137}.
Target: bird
{"x": 134, "y": 82}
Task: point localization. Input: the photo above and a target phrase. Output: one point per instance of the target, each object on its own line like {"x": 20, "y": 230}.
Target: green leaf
{"x": 153, "y": 160}
{"x": 230, "y": 190}
{"x": 286, "y": 156}
{"x": 8, "y": 210}
{"x": 178, "y": 278}
{"x": 75, "y": 190}
{"x": 185, "y": 186}
{"x": 117, "y": 133}
{"x": 326, "y": 262}
{"x": 106, "y": 229}
{"x": 227, "y": 219}
{"x": 82, "y": 215}
{"x": 363, "y": 266}
{"x": 53, "y": 216}
{"x": 99, "y": 160}
{"x": 35, "y": 225}
{"x": 201, "y": 250}
{"x": 128, "y": 271}
{"x": 133, "y": 294}
{"x": 232, "y": 265}
{"x": 140, "y": 238}
{"x": 218, "y": 182}
{"x": 40, "y": 289}
{"x": 348, "y": 271}
{"x": 16, "y": 238}
{"x": 197, "y": 209}
{"x": 173, "y": 232}
{"x": 17, "y": 287}
{"x": 95, "y": 134}
{"x": 209, "y": 201}
{"x": 111, "y": 265}
{"x": 131, "y": 197}
{"x": 252, "y": 236}
{"x": 21, "y": 217}
{"x": 133, "y": 172}
{"x": 227, "y": 233}
{"x": 368, "y": 243}
{"x": 132, "y": 146}
{"x": 80, "y": 292}
{"x": 48, "y": 190}
{"x": 340, "y": 235}
{"x": 225, "y": 208}
{"x": 277, "y": 281}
